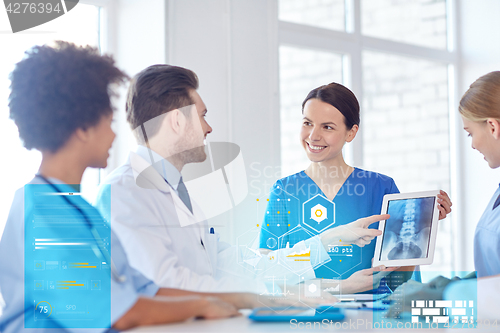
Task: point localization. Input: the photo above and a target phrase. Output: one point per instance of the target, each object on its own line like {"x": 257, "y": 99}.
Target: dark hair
{"x": 341, "y": 98}
{"x": 157, "y": 90}
{"x": 56, "y": 90}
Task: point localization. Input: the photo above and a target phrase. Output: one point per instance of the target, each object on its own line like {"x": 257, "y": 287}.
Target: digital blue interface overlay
{"x": 416, "y": 305}
{"x": 67, "y": 278}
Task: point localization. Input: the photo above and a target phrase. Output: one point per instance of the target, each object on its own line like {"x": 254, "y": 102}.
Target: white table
{"x": 243, "y": 324}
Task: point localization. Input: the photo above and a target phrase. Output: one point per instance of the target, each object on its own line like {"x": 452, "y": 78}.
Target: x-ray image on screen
{"x": 407, "y": 231}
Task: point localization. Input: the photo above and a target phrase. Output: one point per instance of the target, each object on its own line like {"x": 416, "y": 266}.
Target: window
{"x": 398, "y": 59}
{"x": 406, "y": 127}
{"x": 328, "y": 14}
{"x": 419, "y": 22}
{"x": 81, "y": 25}
{"x": 301, "y": 70}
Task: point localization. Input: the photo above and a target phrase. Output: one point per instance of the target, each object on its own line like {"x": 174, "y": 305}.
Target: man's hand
{"x": 215, "y": 308}
{"x": 356, "y": 232}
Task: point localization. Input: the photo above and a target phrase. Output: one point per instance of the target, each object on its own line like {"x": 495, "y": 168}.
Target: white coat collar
{"x": 146, "y": 176}
{"x": 161, "y": 165}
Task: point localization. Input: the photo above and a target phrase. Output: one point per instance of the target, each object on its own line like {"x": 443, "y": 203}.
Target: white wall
{"x": 232, "y": 46}
{"x": 137, "y": 39}
{"x": 480, "y": 48}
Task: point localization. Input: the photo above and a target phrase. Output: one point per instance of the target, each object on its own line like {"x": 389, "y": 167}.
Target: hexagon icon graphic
{"x": 317, "y": 288}
{"x": 312, "y": 288}
{"x": 318, "y": 213}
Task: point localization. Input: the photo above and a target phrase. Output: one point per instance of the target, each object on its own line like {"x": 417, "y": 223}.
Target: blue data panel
{"x": 419, "y": 306}
{"x": 67, "y": 278}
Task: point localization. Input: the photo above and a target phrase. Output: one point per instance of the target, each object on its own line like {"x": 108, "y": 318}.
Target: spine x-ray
{"x": 407, "y": 231}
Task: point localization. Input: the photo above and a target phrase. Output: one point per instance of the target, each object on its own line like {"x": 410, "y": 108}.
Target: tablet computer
{"x": 297, "y": 313}
{"x": 409, "y": 235}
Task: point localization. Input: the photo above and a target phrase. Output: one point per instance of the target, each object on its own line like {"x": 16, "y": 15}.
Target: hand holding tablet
{"x": 409, "y": 235}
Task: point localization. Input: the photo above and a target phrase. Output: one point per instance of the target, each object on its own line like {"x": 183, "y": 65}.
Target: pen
{"x": 364, "y": 307}
{"x": 359, "y": 306}
{"x": 348, "y": 305}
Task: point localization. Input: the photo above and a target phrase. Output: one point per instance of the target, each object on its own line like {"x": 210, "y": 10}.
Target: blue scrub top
{"x": 12, "y": 254}
{"x": 360, "y": 196}
{"x": 487, "y": 241}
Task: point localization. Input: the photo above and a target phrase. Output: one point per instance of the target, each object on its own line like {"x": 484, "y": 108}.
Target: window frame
{"x": 92, "y": 177}
{"x": 351, "y": 44}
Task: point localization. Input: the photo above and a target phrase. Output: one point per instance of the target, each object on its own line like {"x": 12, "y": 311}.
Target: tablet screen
{"x": 407, "y": 232}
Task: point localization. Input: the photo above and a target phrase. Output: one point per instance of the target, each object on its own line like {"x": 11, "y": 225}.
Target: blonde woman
{"x": 480, "y": 112}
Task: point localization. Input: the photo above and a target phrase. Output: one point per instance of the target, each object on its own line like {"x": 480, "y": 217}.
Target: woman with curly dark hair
{"x": 55, "y": 253}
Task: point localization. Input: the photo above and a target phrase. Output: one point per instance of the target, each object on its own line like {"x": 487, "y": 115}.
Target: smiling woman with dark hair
{"x": 331, "y": 119}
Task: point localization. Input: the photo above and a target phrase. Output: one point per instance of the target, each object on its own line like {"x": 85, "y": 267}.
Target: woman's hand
{"x": 444, "y": 204}
{"x": 411, "y": 290}
{"x": 356, "y": 232}
{"x": 366, "y": 279}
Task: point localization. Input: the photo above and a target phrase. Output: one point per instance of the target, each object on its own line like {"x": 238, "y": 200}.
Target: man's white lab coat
{"x": 148, "y": 218}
